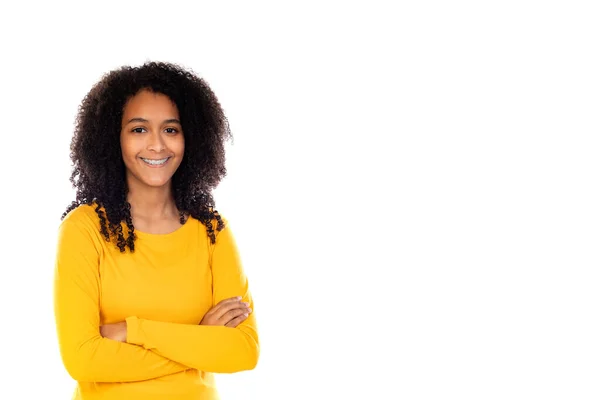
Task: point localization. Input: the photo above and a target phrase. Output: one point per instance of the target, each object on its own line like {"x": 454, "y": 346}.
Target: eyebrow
{"x": 143, "y": 120}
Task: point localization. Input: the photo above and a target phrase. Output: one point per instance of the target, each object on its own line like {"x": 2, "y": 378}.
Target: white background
{"x": 414, "y": 188}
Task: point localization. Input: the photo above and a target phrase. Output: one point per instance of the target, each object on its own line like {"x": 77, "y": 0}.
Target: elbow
{"x": 251, "y": 359}
{"x": 77, "y": 368}
{"x": 242, "y": 352}
{"x": 244, "y": 359}
{"x": 78, "y": 361}
{"x": 246, "y": 363}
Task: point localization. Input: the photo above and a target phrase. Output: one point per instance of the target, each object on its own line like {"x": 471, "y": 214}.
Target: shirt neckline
{"x": 176, "y": 232}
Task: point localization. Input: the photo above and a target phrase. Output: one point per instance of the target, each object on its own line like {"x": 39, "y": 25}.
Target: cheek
{"x": 179, "y": 146}
{"x": 128, "y": 148}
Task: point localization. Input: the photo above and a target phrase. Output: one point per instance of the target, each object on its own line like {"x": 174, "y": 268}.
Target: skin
{"x": 151, "y": 129}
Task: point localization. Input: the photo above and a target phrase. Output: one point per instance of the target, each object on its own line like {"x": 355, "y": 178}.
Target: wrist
{"x": 131, "y": 328}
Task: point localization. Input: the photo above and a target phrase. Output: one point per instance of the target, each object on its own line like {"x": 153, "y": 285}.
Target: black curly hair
{"x": 98, "y": 173}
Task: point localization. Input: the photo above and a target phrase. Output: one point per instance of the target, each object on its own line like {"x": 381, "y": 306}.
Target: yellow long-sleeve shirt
{"x": 162, "y": 290}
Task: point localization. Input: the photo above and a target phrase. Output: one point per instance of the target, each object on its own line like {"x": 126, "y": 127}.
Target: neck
{"x": 151, "y": 202}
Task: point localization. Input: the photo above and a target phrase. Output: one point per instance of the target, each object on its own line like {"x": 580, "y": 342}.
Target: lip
{"x": 154, "y": 159}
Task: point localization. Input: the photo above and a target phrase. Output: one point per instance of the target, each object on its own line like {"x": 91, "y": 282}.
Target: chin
{"x": 154, "y": 181}
{"x": 156, "y": 184}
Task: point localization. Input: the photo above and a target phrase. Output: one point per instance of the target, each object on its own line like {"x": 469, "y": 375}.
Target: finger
{"x": 225, "y": 307}
{"x": 236, "y": 321}
{"x": 234, "y": 313}
{"x": 223, "y": 303}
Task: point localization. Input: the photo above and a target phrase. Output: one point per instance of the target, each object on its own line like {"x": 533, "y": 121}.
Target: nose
{"x": 156, "y": 142}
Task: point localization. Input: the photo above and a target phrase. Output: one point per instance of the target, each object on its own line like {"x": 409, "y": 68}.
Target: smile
{"x": 155, "y": 162}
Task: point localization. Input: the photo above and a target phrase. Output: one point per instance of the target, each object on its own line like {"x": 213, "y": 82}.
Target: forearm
{"x": 207, "y": 348}
{"x": 103, "y": 360}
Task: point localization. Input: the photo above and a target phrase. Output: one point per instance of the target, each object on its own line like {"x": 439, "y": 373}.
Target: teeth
{"x": 155, "y": 162}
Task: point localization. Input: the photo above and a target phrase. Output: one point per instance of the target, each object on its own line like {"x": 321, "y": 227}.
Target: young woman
{"x": 150, "y": 295}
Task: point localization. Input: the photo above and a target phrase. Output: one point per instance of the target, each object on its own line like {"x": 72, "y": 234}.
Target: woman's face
{"x": 152, "y": 142}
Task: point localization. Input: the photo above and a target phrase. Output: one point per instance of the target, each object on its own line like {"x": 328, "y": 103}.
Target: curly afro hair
{"x": 98, "y": 173}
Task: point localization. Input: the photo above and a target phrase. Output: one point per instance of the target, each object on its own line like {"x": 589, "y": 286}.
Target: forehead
{"x": 150, "y": 105}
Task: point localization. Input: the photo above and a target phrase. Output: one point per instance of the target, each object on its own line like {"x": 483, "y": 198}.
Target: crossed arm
{"x": 152, "y": 348}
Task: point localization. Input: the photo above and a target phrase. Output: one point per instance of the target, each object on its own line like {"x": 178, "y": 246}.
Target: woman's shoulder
{"x": 83, "y": 215}
{"x": 80, "y": 228}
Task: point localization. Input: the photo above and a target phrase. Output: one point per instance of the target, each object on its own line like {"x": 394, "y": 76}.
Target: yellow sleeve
{"x": 207, "y": 348}
{"x": 86, "y": 355}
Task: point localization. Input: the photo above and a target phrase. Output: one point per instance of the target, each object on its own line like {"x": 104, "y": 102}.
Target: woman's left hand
{"x": 116, "y": 331}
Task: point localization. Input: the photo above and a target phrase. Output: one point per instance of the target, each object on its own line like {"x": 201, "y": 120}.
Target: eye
{"x": 171, "y": 130}
{"x": 138, "y": 130}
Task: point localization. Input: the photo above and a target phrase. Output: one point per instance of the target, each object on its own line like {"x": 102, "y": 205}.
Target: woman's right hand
{"x": 229, "y": 312}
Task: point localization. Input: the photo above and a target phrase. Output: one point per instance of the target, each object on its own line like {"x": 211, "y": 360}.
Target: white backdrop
{"x": 414, "y": 188}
